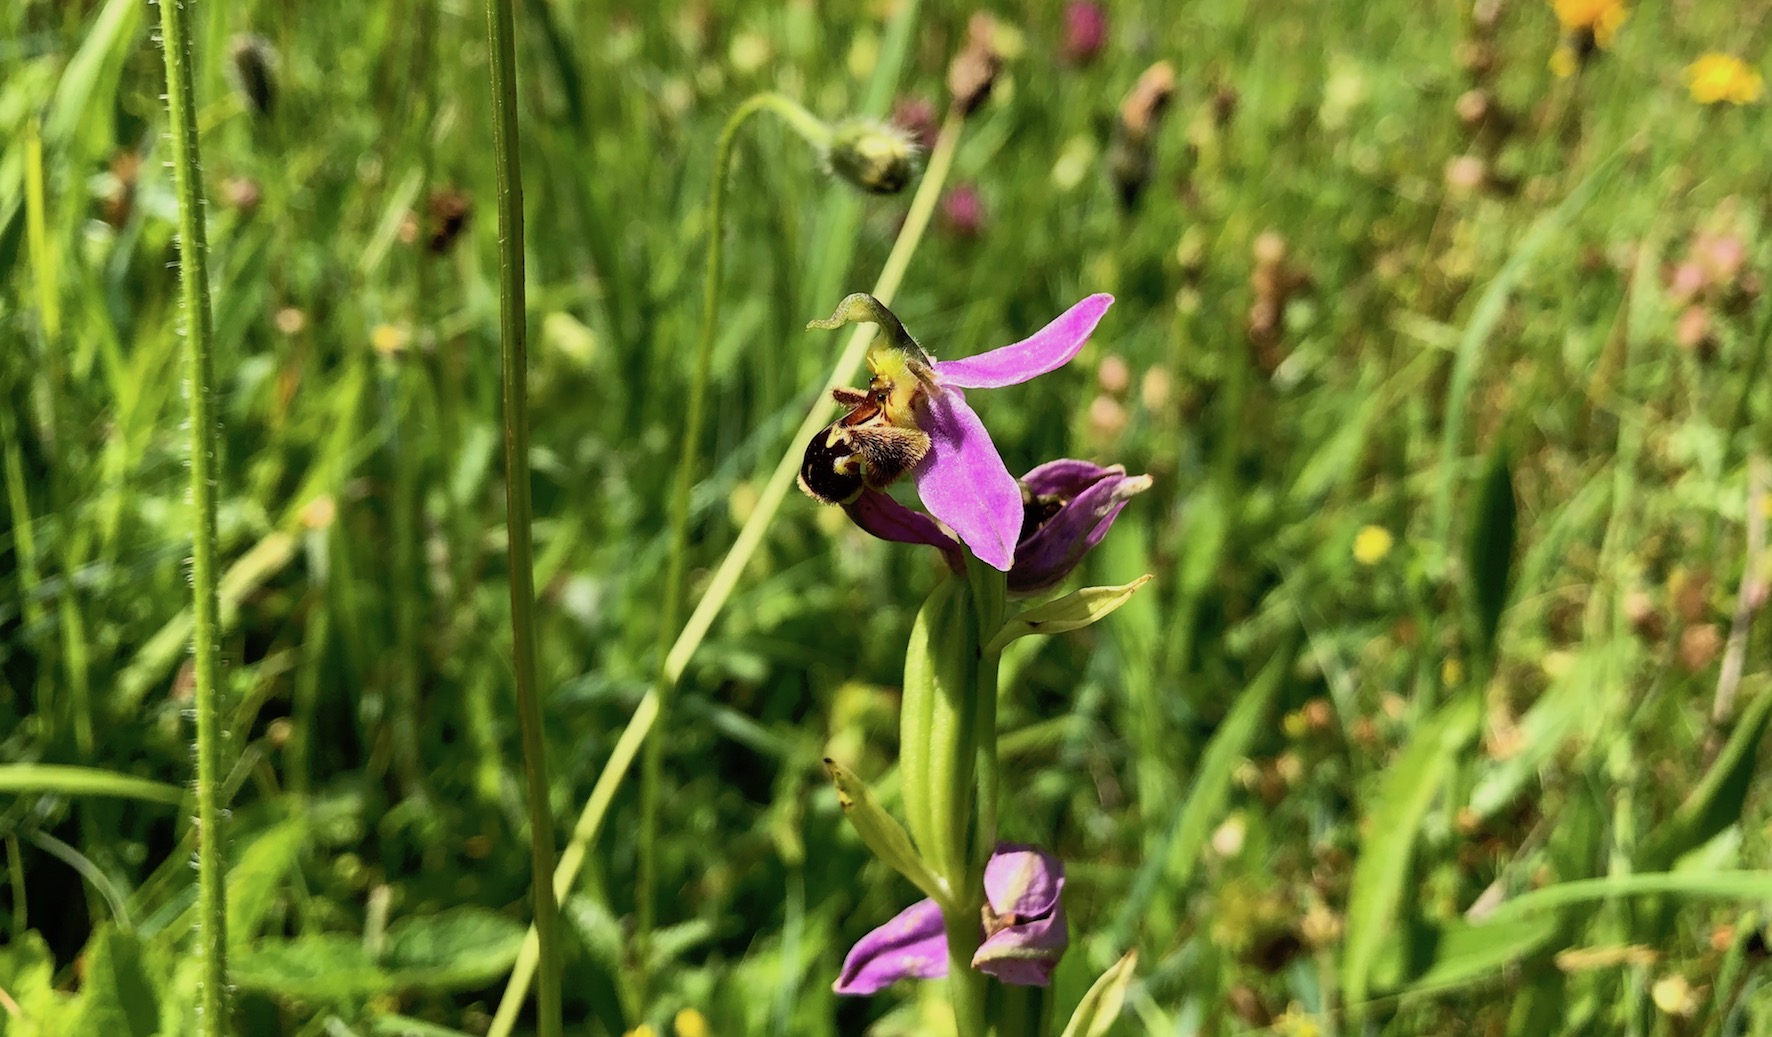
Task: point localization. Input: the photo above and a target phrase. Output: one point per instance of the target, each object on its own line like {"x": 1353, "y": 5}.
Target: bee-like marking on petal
{"x": 877, "y": 441}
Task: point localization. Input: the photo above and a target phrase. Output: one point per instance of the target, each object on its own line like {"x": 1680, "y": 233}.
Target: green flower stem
{"x": 966, "y": 987}
{"x": 521, "y": 554}
{"x": 989, "y": 591}
{"x": 725, "y": 579}
{"x": 652, "y": 767}
{"x": 213, "y": 1018}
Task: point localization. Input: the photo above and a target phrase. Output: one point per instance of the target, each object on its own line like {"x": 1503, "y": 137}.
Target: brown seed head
{"x": 974, "y": 71}
{"x": 1144, "y": 106}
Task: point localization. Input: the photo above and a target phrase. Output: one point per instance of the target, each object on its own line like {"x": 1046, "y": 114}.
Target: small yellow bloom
{"x": 1371, "y": 544}
{"x": 1296, "y": 1023}
{"x": 643, "y": 1030}
{"x": 1723, "y": 77}
{"x": 1563, "y": 62}
{"x": 1673, "y": 995}
{"x": 1452, "y": 673}
{"x": 1599, "y": 17}
{"x": 690, "y": 1023}
{"x": 390, "y": 339}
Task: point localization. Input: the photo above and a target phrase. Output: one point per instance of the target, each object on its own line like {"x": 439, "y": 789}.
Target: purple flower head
{"x": 1085, "y": 31}
{"x": 963, "y": 211}
{"x": 916, "y": 410}
{"x": 1024, "y": 930}
{"x": 1067, "y": 508}
{"x": 918, "y": 117}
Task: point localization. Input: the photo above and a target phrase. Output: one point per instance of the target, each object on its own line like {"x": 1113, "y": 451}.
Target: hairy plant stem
{"x": 725, "y": 579}
{"x": 212, "y": 912}
{"x": 520, "y": 553}
{"x": 665, "y": 683}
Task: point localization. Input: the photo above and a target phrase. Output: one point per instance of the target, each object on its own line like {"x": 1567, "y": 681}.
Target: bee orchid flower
{"x": 1024, "y": 930}
{"x": 1067, "y": 508}
{"x": 916, "y": 408}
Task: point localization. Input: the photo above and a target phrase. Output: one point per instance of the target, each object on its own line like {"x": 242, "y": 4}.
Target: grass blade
{"x": 1382, "y": 870}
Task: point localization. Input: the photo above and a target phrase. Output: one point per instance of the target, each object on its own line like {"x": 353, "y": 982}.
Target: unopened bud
{"x": 252, "y": 68}
{"x": 1699, "y": 646}
{"x": 1693, "y": 332}
{"x": 1131, "y": 160}
{"x": 876, "y": 157}
{"x": 450, "y": 210}
{"x": 1144, "y": 106}
{"x": 1473, "y": 107}
{"x": 974, "y": 70}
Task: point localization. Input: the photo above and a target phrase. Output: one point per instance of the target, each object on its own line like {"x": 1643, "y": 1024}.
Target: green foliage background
{"x": 1284, "y": 773}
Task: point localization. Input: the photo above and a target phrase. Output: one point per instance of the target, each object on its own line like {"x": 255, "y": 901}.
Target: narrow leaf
{"x": 1717, "y": 801}
{"x": 85, "y": 781}
{"x": 1466, "y": 953}
{"x": 117, "y": 999}
{"x": 1489, "y": 554}
{"x": 1382, "y": 871}
{"x": 1716, "y": 885}
{"x": 1099, "y": 1008}
{"x": 881, "y": 832}
{"x": 1074, "y": 611}
{"x": 256, "y": 877}
{"x": 1485, "y": 317}
{"x": 458, "y": 949}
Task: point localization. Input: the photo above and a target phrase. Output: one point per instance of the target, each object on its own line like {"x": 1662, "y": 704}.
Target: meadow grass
{"x": 1442, "y": 715}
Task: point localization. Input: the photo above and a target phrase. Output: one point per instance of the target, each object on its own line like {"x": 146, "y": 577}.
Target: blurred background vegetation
{"x": 1450, "y": 370}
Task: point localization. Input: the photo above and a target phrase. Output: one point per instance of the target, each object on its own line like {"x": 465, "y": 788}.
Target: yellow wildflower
{"x": 1673, "y": 995}
{"x": 1588, "y": 25}
{"x": 643, "y": 1030}
{"x": 1297, "y": 1023}
{"x": 390, "y": 339}
{"x": 1371, "y": 544}
{"x": 1600, "y": 18}
{"x": 690, "y": 1023}
{"x": 1723, "y": 77}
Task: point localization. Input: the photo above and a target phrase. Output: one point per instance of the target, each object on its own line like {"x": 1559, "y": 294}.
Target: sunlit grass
{"x": 1380, "y": 253}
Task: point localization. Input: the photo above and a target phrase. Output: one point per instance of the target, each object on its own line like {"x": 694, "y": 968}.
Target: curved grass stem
{"x": 181, "y": 108}
{"x": 725, "y": 579}
{"x": 521, "y": 554}
{"x": 652, "y": 767}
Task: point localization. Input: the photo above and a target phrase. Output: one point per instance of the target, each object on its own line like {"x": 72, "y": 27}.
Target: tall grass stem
{"x": 521, "y": 553}
{"x": 725, "y": 579}
{"x": 187, "y": 173}
{"x": 652, "y": 767}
